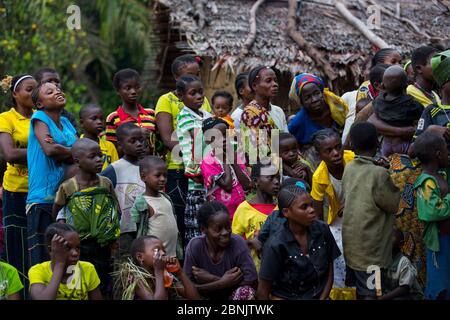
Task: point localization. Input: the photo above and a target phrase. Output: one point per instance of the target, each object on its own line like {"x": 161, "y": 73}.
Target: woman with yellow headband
{"x": 14, "y": 130}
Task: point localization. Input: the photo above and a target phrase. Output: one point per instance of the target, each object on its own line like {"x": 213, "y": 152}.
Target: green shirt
{"x": 371, "y": 200}
{"x": 431, "y": 207}
{"x": 9, "y": 281}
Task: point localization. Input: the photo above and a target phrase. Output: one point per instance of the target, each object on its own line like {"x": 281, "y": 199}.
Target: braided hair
{"x": 240, "y": 81}
{"x": 381, "y": 55}
{"x": 59, "y": 229}
{"x": 181, "y": 62}
{"x": 321, "y": 135}
{"x": 288, "y": 193}
{"x": 253, "y": 75}
{"x": 184, "y": 82}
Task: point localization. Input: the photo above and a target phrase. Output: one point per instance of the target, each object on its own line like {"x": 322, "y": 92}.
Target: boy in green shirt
{"x": 10, "y": 285}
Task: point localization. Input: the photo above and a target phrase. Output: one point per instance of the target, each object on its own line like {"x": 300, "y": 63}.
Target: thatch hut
{"x": 220, "y": 31}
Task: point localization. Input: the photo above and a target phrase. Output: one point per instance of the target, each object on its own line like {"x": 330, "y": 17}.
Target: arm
{"x": 318, "y": 207}
{"x": 9, "y": 152}
{"x": 230, "y": 279}
{"x": 243, "y": 179}
{"x": 188, "y": 291}
{"x": 14, "y": 296}
{"x": 95, "y": 294}
{"x": 263, "y": 291}
{"x": 397, "y": 292}
{"x": 387, "y": 130}
{"x": 164, "y": 122}
{"x": 51, "y": 149}
{"x": 326, "y": 291}
{"x": 226, "y": 180}
{"x": 55, "y": 210}
{"x": 386, "y": 195}
{"x": 430, "y": 205}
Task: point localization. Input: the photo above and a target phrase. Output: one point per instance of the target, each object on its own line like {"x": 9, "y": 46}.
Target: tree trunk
{"x": 252, "y": 34}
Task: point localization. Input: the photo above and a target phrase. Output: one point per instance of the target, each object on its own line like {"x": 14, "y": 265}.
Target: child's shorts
{"x": 364, "y": 281}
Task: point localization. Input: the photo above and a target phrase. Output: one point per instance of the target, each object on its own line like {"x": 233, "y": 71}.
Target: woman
{"x": 14, "y": 130}
{"x": 48, "y": 154}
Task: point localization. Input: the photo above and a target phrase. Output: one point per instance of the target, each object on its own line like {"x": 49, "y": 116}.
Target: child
{"x": 251, "y": 215}
{"x": 64, "y": 277}
{"x": 225, "y": 179}
{"x": 127, "y": 84}
{"x": 126, "y": 180}
{"x": 10, "y": 285}
{"x": 90, "y": 206}
{"x": 153, "y": 210}
{"x": 422, "y": 90}
{"x": 153, "y": 274}
{"x": 91, "y": 120}
{"x": 297, "y": 261}
{"x": 433, "y": 205}
{"x": 244, "y": 93}
{"x": 402, "y": 275}
{"x": 218, "y": 262}
{"x": 48, "y": 156}
{"x": 371, "y": 200}
{"x": 396, "y": 108}
{"x": 222, "y": 104}
{"x": 190, "y": 135}
{"x": 293, "y": 164}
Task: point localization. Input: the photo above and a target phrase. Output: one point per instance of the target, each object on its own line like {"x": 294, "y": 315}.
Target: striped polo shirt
{"x": 145, "y": 119}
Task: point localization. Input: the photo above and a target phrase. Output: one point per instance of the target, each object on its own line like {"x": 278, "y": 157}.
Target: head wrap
{"x": 440, "y": 64}
{"x": 300, "y": 81}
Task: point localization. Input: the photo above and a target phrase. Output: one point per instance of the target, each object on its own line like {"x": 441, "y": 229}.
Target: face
{"x": 425, "y": 71}
{"x": 91, "y": 159}
{"x": 156, "y": 177}
{"x": 393, "y": 58}
{"x": 266, "y": 84}
{"x": 312, "y": 98}
{"x": 133, "y": 144}
{"x": 129, "y": 90}
{"x": 289, "y": 150}
{"x": 331, "y": 152}
{"x": 189, "y": 69}
{"x": 194, "y": 96}
{"x": 269, "y": 184}
{"x": 218, "y": 230}
{"x": 51, "y": 78}
{"x": 22, "y": 95}
{"x": 147, "y": 257}
{"x": 245, "y": 92}
{"x": 51, "y": 97}
{"x": 73, "y": 246}
{"x": 410, "y": 74}
{"x": 221, "y": 106}
{"x": 301, "y": 210}
{"x": 92, "y": 121}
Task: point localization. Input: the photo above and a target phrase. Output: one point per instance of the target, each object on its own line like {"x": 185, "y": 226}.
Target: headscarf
{"x": 300, "y": 81}
{"x": 440, "y": 65}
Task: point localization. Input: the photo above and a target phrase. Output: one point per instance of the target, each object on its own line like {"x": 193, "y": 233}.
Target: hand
{"x": 300, "y": 171}
{"x": 59, "y": 249}
{"x": 408, "y": 132}
{"x": 340, "y": 211}
{"x": 232, "y": 277}
{"x": 159, "y": 261}
{"x": 383, "y": 162}
{"x": 202, "y": 276}
{"x": 172, "y": 265}
{"x": 254, "y": 244}
{"x": 49, "y": 139}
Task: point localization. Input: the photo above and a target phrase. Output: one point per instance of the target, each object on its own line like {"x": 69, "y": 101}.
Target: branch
{"x": 304, "y": 45}
{"x": 252, "y": 34}
{"x": 359, "y": 25}
{"x": 199, "y": 6}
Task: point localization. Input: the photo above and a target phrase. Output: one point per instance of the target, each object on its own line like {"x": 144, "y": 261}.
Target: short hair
{"x": 150, "y": 161}
{"x": 257, "y": 169}
{"x": 254, "y": 73}
{"x": 363, "y": 136}
{"x": 39, "y": 74}
{"x": 223, "y": 94}
{"x": 211, "y": 122}
{"x": 123, "y": 75}
{"x": 80, "y": 145}
{"x": 181, "y": 62}
{"x": 318, "y": 137}
{"x": 185, "y": 81}
{"x": 138, "y": 245}
{"x": 207, "y": 210}
{"x": 240, "y": 82}
{"x": 377, "y": 72}
{"x": 285, "y": 136}
{"x": 87, "y": 107}
{"x": 288, "y": 194}
{"x": 426, "y": 145}
{"x": 125, "y": 129}
{"x": 421, "y": 56}
{"x": 381, "y": 55}
{"x": 57, "y": 228}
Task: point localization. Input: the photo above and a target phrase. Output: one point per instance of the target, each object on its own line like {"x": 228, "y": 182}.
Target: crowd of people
{"x": 198, "y": 199}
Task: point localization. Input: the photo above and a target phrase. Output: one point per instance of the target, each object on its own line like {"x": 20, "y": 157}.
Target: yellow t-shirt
{"x": 420, "y": 97}
{"x": 247, "y": 222}
{"x": 170, "y": 103}
{"x": 108, "y": 150}
{"x": 16, "y": 175}
{"x": 83, "y": 280}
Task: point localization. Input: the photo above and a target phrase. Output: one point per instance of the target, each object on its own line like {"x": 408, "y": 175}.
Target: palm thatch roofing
{"x": 343, "y": 46}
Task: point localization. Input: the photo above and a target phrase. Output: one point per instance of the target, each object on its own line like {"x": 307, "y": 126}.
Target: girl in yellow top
{"x": 327, "y": 182}
{"x": 251, "y": 215}
{"x": 14, "y": 130}
{"x": 92, "y": 122}
{"x": 64, "y": 277}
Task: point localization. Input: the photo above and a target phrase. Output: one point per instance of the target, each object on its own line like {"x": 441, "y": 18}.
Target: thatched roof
{"x": 320, "y": 24}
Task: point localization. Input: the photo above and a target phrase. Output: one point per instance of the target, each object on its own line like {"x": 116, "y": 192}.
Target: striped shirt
{"x": 190, "y": 137}
{"x": 145, "y": 119}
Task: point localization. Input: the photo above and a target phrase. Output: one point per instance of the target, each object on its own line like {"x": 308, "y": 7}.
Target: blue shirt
{"x": 302, "y": 127}
{"x": 45, "y": 174}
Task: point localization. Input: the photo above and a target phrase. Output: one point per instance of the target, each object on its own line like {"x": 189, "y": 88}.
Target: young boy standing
{"x": 371, "y": 199}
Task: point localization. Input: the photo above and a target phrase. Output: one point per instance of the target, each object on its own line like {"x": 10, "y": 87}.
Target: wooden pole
{"x": 252, "y": 34}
